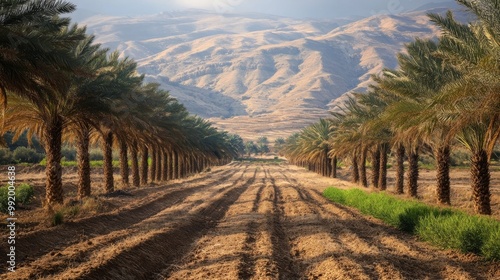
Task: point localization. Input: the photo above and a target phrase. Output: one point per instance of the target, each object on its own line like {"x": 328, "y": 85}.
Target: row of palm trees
{"x": 444, "y": 93}
{"x": 59, "y": 85}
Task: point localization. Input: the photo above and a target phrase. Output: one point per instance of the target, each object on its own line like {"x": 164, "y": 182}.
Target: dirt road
{"x": 242, "y": 221}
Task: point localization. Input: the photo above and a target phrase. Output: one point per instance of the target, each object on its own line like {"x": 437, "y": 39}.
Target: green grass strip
{"x": 446, "y": 228}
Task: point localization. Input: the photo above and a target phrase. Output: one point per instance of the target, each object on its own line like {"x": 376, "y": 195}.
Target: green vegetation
{"x": 274, "y": 160}
{"x": 24, "y": 193}
{"x": 57, "y": 218}
{"x": 19, "y": 155}
{"x": 443, "y": 227}
{"x": 73, "y": 163}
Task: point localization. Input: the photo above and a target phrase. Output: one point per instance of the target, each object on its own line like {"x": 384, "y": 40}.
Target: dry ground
{"x": 241, "y": 221}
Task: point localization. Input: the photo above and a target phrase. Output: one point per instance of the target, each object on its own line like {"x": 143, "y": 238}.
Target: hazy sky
{"x": 290, "y": 8}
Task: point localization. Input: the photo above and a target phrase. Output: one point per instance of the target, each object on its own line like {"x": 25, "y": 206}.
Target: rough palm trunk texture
{"x": 136, "y": 179}
{"x": 181, "y": 161}
{"x": 362, "y": 168}
{"x": 375, "y": 167}
{"x": 382, "y": 179}
{"x": 400, "y": 169}
{"x": 53, "y": 170}
{"x": 170, "y": 165}
{"x": 355, "y": 169}
{"x": 175, "y": 163}
{"x": 480, "y": 176}
{"x": 83, "y": 159}
{"x": 152, "y": 169}
{"x": 164, "y": 166}
{"x": 334, "y": 167}
{"x": 443, "y": 174}
{"x": 158, "y": 165}
{"x": 194, "y": 167}
{"x": 144, "y": 165}
{"x": 124, "y": 169}
{"x": 183, "y": 167}
{"x": 328, "y": 170}
{"x": 412, "y": 174}
{"x": 108, "y": 162}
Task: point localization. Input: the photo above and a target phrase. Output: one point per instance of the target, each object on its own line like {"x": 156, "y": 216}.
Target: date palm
{"x": 420, "y": 78}
{"x": 29, "y": 42}
{"x": 46, "y": 109}
{"x": 472, "y": 102}
{"x": 348, "y": 140}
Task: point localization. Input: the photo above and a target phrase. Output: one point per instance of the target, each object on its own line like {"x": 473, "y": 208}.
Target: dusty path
{"x": 241, "y": 221}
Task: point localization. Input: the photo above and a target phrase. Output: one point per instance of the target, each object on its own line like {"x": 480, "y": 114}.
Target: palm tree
{"x": 348, "y": 141}
{"x": 420, "y": 78}
{"x": 46, "y": 110}
{"x": 88, "y": 102}
{"x": 400, "y": 169}
{"x": 471, "y": 103}
{"x": 311, "y": 147}
{"x": 29, "y": 34}
{"x": 67, "y": 84}
{"x": 39, "y": 47}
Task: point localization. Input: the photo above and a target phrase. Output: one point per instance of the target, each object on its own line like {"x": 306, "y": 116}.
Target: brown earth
{"x": 241, "y": 221}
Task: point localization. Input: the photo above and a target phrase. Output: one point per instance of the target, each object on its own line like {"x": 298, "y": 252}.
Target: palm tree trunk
{"x": 400, "y": 169}
{"x": 382, "y": 179}
{"x": 53, "y": 170}
{"x": 443, "y": 174}
{"x": 158, "y": 165}
{"x": 334, "y": 167}
{"x": 328, "y": 166}
{"x": 412, "y": 173}
{"x": 144, "y": 165}
{"x": 83, "y": 159}
{"x": 164, "y": 166}
{"x": 136, "y": 180}
{"x": 174, "y": 165}
{"x": 108, "y": 161}
{"x": 362, "y": 168}
{"x": 152, "y": 169}
{"x": 180, "y": 165}
{"x": 169, "y": 165}
{"x": 355, "y": 169}
{"x": 124, "y": 170}
{"x": 480, "y": 175}
{"x": 375, "y": 167}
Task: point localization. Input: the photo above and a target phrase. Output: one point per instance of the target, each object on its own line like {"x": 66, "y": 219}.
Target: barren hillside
{"x": 260, "y": 74}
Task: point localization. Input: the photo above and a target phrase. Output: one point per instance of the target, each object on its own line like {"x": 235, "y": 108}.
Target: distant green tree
{"x": 279, "y": 144}
{"x": 251, "y": 148}
{"x": 263, "y": 145}
{"x": 22, "y": 141}
{"x": 237, "y": 144}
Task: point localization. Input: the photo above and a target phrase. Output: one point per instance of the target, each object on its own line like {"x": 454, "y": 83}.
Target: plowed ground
{"x": 242, "y": 221}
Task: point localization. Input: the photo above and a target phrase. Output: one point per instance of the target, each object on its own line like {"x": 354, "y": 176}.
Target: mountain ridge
{"x": 259, "y": 75}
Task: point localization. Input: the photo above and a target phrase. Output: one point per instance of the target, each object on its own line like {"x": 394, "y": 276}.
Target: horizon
{"x": 320, "y": 10}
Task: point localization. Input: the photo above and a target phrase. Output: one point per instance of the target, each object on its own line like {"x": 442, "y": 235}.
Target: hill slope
{"x": 260, "y": 74}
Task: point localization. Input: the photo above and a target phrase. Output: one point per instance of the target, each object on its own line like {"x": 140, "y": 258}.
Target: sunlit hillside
{"x": 259, "y": 74}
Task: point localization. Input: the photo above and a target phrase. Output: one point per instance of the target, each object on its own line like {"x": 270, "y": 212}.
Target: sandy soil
{"x": 241, "y": 221}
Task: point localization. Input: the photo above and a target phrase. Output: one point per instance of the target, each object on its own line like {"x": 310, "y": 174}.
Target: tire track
{"x": 257, "y": 221}
{"x": 83, "y": 251}
{"x": 68, "y": 238}
{"x": 187, "y": 253}
{"x": 372, "y": 245}
{"x": 248, "y": 259}
{"x": 145, "y": 260}
{"x": 320, "y": 254}
{"x": 288, "y": 268}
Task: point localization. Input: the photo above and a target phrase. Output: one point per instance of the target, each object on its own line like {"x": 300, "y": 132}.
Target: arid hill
{"x": 257, "y": 74}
